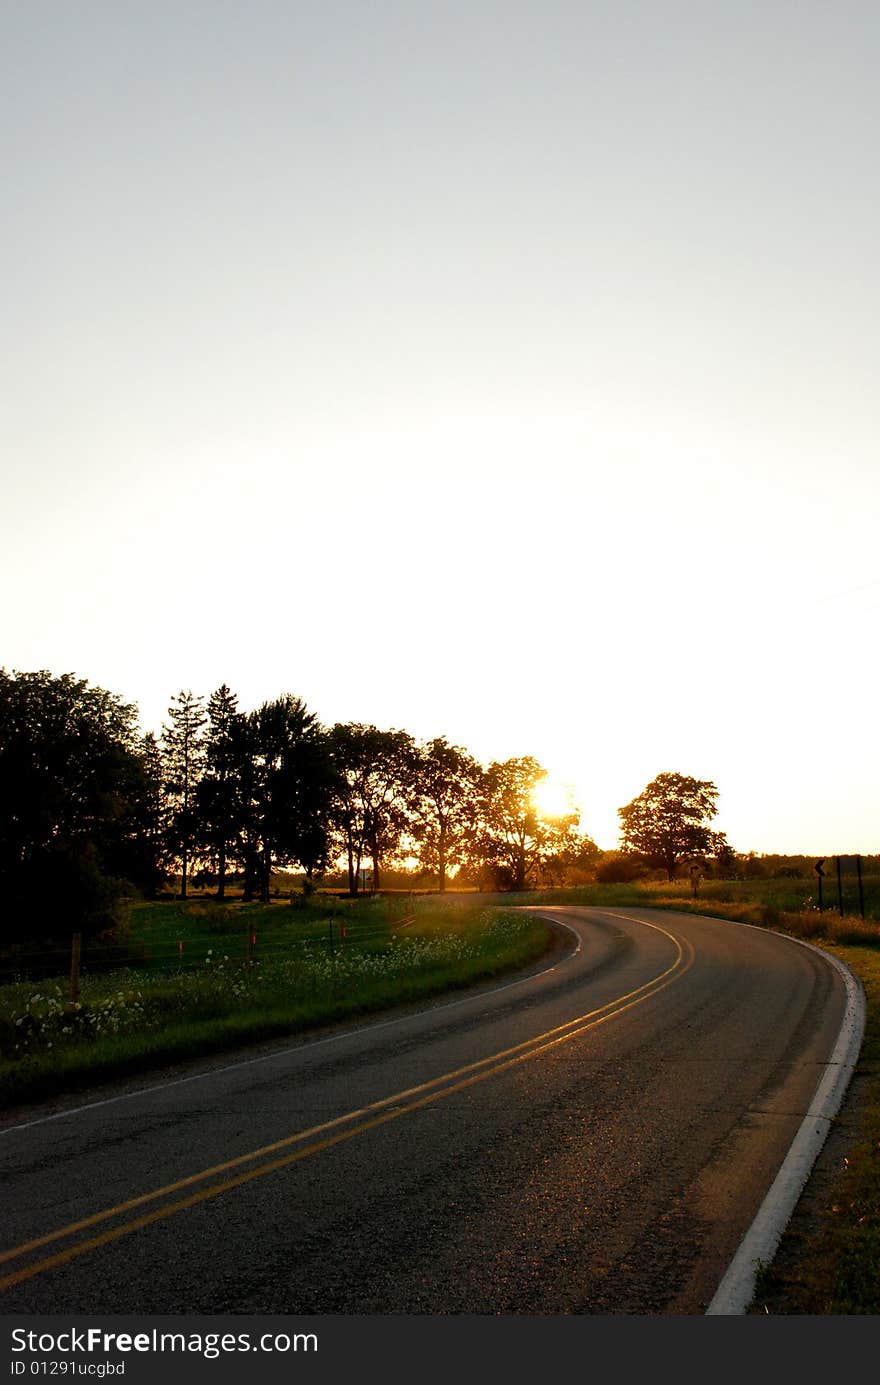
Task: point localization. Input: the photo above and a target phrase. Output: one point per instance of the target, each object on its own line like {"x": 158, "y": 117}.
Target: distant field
{"x": 787, "y": 903}
{"x": 791, "y": 895}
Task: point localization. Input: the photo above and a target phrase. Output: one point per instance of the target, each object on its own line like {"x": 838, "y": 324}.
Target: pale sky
{"x": 504, "y": 371}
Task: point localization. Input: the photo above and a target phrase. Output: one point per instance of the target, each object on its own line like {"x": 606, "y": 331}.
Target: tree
{"x": 725, "y": 858}
{"x": 144, "y": 856}
{"x": 70, "y": 777}
{"x": 444, "y": 783}
{"x": 350, "y": 756}
{"x": 307, "y": 784}
{"x": 669, "y": 821}
{"x": 374, "y": 789}
{"x": 572, "y": 862}
{"x": 515, "y": 835}
{"x": 218, "y": 796}
{"x": 291, "y": 786}
{"x": 183, "y": 751}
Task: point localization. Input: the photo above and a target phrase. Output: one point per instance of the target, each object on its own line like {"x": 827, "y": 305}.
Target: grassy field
{"x": 763, "y": 902}
{"x": 195, "y": 978}
{"x": 199, "y": 978}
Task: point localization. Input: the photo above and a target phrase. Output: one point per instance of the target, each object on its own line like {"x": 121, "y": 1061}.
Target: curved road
{"x": 593, "y": 1138}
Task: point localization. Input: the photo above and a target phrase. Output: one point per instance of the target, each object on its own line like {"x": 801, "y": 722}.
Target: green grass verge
{"x": 132, "y": 1019}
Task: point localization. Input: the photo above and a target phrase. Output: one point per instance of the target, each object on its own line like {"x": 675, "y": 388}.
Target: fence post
{"x": 75, "y": 954}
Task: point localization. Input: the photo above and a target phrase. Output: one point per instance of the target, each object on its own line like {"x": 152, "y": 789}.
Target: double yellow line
{"x": 305, "y": 1143}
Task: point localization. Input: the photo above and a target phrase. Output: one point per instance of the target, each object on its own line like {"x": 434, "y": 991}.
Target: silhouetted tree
{"x": 573, "y": 860}
{"x": 249, "y": 774}
{"x": 183, "y": 757}
{"x": 290, "y": 788}
{"x": 305, "y": 793}
{"x": 669, "y": 821}
{"x": 444, "y": 805}
{"x": 726, "y": 862}
{"x": 145, "y": 857}
{"x": 70, "y": 776}
{"x": 515, "y": 835}
{"x": 218, "y": 794}
{"x": 374, "y": 772}
{"x": 350, "y": 757}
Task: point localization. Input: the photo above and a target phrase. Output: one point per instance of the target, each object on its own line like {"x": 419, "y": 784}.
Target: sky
{"x": 498, "y": 370}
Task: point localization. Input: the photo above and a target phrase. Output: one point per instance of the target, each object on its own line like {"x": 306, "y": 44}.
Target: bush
{"x": 621, "y": 869}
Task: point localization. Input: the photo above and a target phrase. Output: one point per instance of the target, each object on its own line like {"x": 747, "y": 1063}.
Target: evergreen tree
{"x": 183, "y": 751}
{"x": 145, "y": 860}
{"x": 218, "y": 797}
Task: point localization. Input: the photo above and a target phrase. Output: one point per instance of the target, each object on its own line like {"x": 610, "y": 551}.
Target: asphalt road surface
{"x": 593, "y": 1138}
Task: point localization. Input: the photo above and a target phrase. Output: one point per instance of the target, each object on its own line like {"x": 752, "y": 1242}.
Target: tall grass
{"x": 128, "y": 1019}
{"x": 789, "y": 905}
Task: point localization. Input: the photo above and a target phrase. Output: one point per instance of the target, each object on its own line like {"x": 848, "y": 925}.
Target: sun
{"x": 553, "y": 799}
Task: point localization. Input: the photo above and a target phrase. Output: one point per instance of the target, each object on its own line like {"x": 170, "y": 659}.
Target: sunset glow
{"x": 554, "y": 799}
{"x": 518, "y": 401}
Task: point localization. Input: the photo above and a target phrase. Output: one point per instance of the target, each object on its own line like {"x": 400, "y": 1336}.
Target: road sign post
{"x": 819, "y": 868}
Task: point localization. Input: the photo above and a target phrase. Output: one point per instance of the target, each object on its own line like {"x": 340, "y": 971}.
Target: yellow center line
{"x": 300, "y": 1136}
{"x": 402, "y": 1103}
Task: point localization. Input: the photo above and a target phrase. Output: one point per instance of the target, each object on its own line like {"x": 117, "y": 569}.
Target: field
{"x": 766, "y": 902}
{"x": 197, "y": 978}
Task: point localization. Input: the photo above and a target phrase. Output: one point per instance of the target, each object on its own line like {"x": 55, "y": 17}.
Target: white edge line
{"x": 285, "y": 1052}
{"x": 759, "y": 1244}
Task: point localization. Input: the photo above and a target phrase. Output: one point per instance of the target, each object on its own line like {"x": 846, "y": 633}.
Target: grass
{"x": 160, "y": 1007}
{"x": 833, "y": 1267}
{"x": 755, "y": 899}
{"x": 225, "y": 992}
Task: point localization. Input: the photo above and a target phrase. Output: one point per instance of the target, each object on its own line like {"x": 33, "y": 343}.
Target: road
{"x": 592, "y": 1138}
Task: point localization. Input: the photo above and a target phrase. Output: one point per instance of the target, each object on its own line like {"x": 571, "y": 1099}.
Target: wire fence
{"x": 191, "y": 951}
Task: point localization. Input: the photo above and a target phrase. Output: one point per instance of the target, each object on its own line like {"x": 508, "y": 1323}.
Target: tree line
{"x": 90, "y": 807}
